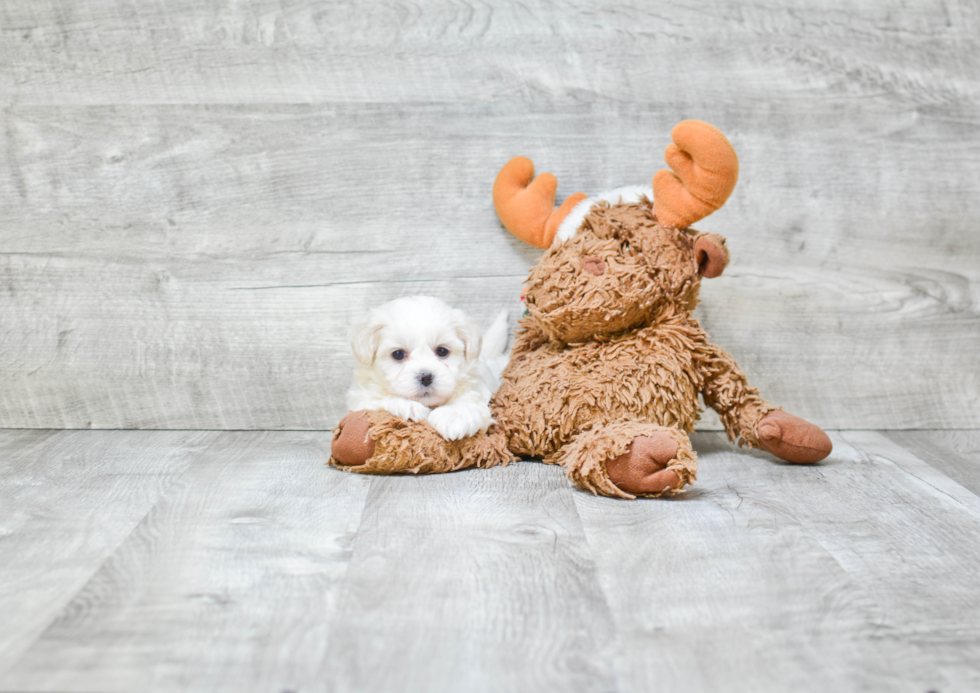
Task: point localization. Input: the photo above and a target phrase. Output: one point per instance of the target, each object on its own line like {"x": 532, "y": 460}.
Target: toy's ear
{"x": 526, "y": 205}
{"x": 365, "y": 338}
{"x": 469, "y": 335}
{"x": 711, "y": 254}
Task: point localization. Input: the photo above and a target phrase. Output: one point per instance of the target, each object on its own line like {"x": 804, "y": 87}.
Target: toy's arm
{"x": 727, "y": 391}
{"x": 376, "y": 442}
{"x": 751, "y": 420}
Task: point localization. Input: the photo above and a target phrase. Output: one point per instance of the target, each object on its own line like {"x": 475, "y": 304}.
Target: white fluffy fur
{"x": 570, "y": 225}
{"x": 456, "y": 399}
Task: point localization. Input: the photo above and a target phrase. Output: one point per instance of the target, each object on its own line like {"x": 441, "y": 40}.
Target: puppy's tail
{"x": 495, "y": 338}
{"x": 494, "y": 351}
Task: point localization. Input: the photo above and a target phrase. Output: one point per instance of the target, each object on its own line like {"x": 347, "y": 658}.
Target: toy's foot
{"x": 352, "y": 443}
{"x": 792, "y": 438}
{"x": 626, "y": 459}
{"x": 642, "y": 469}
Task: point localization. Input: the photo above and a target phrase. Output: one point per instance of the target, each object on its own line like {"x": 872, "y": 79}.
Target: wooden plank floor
{"x": 236, "y": 561}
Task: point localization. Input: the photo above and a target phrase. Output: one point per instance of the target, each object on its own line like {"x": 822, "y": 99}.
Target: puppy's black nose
{"x": 425, "y": 379}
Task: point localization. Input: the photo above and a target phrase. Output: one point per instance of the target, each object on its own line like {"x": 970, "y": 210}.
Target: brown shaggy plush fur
{"x": 617, "y": 350}
{"x": 609, "y": 352}
{"x": 585, "y": 457}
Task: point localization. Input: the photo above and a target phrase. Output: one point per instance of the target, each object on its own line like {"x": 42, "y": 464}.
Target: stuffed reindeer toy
{"x": 608, "y": 363}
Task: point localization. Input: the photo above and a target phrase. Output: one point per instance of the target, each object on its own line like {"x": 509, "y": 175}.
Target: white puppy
{"x": 420, "y": 360}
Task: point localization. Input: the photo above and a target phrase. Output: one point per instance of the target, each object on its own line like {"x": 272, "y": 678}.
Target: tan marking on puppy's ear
{"x": 365, "y": 339}
{"x": 469, "y": 335}
{"x": 711, "y": 254}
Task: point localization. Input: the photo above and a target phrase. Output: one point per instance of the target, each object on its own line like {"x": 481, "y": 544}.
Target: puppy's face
{"x": 417, "y": 348}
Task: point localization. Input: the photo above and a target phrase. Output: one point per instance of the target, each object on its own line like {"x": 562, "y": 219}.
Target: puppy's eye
{"x": 399, "y": 354}
{"x": 624, "y": 246}
{"x": 442, "y": 352}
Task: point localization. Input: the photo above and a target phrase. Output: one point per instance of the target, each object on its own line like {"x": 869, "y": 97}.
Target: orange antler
{"x": 705, "y": 170}
{"x": 526, "y": 205}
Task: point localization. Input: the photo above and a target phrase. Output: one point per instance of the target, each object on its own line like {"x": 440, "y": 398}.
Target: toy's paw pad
{"x": 792, "y": 438}
{"x": 352, "y": 443}
{"x": 642, "y": 469}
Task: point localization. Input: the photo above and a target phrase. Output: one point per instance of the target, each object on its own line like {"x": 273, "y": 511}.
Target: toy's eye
{"x": 442, "y": 352}
{"x": 399, "y": 354}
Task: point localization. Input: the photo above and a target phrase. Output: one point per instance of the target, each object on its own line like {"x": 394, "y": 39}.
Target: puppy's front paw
{"x": 406, "y": 409}
{"x": 453, "y": 423}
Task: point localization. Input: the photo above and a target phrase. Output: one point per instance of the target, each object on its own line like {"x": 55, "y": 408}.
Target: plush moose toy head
{"x": 607, "y": 366}
{"x": 605, "y": 272}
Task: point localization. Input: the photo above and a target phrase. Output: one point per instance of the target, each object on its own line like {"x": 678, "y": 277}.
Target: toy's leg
{"x": 629, "y": 459}
{"x": 376, "y": 442}
{"x": 792, "y": 438}
{"x": 752, "y": 421}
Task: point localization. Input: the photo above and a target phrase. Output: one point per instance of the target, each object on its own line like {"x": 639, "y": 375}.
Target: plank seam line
{"x": 109, "y": 554}
{"x": 372, "y": 282}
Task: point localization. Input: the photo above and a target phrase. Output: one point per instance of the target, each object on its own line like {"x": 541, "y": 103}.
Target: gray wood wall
{"x": 198, "y": 196}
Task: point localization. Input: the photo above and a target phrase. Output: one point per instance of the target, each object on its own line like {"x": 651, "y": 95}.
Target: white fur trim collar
{"x": 571, "y": 224}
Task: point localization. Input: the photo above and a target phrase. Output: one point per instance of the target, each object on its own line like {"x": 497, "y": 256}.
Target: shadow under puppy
{"x": 420, "y": 359}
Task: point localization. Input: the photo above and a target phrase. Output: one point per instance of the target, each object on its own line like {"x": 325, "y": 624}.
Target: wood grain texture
{"x": 955, "y": 453}
{"x": 229, "y": 583}
{"x": 260, "y": 569}
{"x": 486, "y": 585}
{"x": 186, "y": 51}
{"x": 854, "y": 574}
{"x": 176, "y": 329}
{"x": 67, "y": 501}
{"x": 160, "y": 160}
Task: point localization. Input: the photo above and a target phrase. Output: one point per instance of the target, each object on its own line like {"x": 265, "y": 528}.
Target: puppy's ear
{"x": 469, "y": 334}
{"x": 364, "y": 340}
